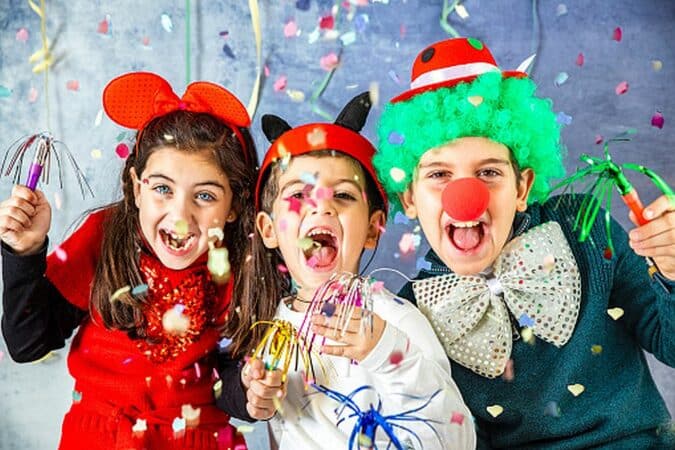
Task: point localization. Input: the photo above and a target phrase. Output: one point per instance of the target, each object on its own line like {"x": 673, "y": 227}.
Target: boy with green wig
{"x": 544, "y": 333}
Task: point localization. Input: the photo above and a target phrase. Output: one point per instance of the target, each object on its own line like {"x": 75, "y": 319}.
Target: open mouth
{"x": 176, "y": 243}
{"x": 466, "y": 236}
{"x": 324, "y": 251}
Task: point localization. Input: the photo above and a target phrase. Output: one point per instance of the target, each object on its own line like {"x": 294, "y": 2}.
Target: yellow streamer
{"x": 44, "y": 54}
{"x": 255, "y": 20}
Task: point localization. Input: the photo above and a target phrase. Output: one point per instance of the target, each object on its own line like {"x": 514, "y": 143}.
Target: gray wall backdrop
{"x": 380, "y": 39}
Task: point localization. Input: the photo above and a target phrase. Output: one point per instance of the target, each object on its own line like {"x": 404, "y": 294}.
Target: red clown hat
{"x": 450, "y": 62}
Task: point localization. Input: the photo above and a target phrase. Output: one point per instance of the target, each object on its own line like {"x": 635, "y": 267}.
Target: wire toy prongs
{"x": 44, "y": 147}
{"x": 368, "y": 421}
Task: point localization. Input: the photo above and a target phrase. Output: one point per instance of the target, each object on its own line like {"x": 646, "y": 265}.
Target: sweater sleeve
{"x": 36, "y": 317}
{"x": 232, "y": 398}
{"x": 648, "y": 304}
{"x": 410, "y": 367}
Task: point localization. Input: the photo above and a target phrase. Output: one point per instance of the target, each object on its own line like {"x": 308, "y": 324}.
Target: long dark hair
{"x": 119, "y": 263}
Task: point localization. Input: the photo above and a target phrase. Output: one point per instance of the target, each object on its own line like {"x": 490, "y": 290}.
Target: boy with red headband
{"x": 317, "y": 184}
{"x": 520, "y": 305}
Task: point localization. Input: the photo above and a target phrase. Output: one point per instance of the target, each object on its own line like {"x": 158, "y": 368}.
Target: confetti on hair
{"x": 615, "y": 313}
{"x": 657, "y": 120}
{"x": 475, "y": 100}
{"x": 576, "y": 389}
{"x": 395, "y": 138}
{"x": 495, "y": 410}
{"x": 121, "y": 294}
{"x": 397, "y": 174}
{"x": 621, "y": 88}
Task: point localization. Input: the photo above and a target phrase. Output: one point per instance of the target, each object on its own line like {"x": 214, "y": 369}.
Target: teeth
{"x": 317, "y": 232}
{"x": 465, "y": 224}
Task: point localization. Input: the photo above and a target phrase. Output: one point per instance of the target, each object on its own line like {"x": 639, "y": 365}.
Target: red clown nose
{"x": 465, "y": 199}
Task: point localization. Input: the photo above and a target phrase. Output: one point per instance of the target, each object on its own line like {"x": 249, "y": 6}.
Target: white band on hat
{"x": 452, "y": 73}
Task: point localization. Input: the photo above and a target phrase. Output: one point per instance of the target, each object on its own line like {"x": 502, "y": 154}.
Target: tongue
{"x": 466, "y": 238}
{"x": 323, "y": 256}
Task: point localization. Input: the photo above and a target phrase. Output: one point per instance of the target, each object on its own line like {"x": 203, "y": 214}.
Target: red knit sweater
{"x": 120, "y": 382}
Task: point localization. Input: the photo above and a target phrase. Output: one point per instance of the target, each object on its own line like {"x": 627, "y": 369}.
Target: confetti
{"x": 348, "y": 38}
{"x": 103, "y": 26}
{"x": 615, "y": 313}
{"x": 561, "y": 10}
{"x": 396, "y": 357}
{"x": 596, "y": 349}
{"x": 327, "y": 22}
{"x": 621, "y": 88}
{"x": 365, "y": 441}
{"x": 576, "y": 389}
{"x": 580, "y": 59}
{"x": 598, "y": 139}
{"x": 302, "y": 5}
{"x": 174, "y": 322}
{"x": 224, "y": 343}
{"x": 361, "y": 22}
{"x": 617, "y": 34}
{"x": 561, "y": 78}
{"x": 313, "y": 261}
{"x": 22, "y": 35}
{"x": 475, "y": 100}
{"x": 525, "y": 321}
{"x": 323, "y": 193}
{"x": 181, "y": 227}
{"x": 5, "y": 91}
{"x": 58, "y": 202}
{"x": 219, "y": 264}
{"x": 145, "y": 41}
{"x": 178, "y": 426}
{"x": 218, "y": 388}
{"x": 99, "y": 118}
{"x": 408, "y": 243}
{"x": 397, "y": 174}
{"x": 139, "y": 290}
{"x": 2, "y": 355}
{"x": 217, "y": 233}
{"x": 552, "y": 409}
{"x": 314, "y": 35}
{"x": 73, "y": 85}
{"x": 401, "y": 218}
{"x": 657, "y": 120}
{"x": 316, "y": 138}
{"x": 548, "y": 263}
{"x": 140, "y": 427}
{"x": 295, "y": 95}
{"x": 378, "y": 286}
{"x": 495, "y": 410}
{"x": 32, "y": 95}
{"x": 457, "y": 418}
{"x": 394, "y": 77}
{"x": 167, "y": 24}
{"x": 422, "y": 264}
{"x": 607, "y": 253}
{"x": 190, "y": 414}
{"x": 563, "y": 119}
{"x": 122, "y": 150}
{"x": 119, "y": 293}
{"x": 527, "y": 335}
{"x": 228, "y": 51}
{"x": 329, "y": 62}
{"x": 657, "y": 65}
{"x": 291, "y": 29}
{"x": 245, "y": 429}
{"x": 509, "y": 371}
{"x": 305, "y": 243}
{"x": 96, "y": 153}
{"x": 280, "y": 83}
{"x": 328, "y": 309}
{"x": 281, "y": 268}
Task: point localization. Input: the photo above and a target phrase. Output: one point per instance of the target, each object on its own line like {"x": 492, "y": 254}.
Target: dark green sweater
{"x": 620, "y": 407}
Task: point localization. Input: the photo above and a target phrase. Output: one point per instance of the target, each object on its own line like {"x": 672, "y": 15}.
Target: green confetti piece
{"x": 475, "y": 43}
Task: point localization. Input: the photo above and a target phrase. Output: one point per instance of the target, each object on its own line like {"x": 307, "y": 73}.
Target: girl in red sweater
{"x": 146, "y": 279}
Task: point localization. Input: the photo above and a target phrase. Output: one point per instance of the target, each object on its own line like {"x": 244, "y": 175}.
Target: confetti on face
{"x": 617, "y": 34}
{"x": 457, "y": 418}
{"x": 657, "y": 120}
{"x": 475, "y": 100}
{"x": 73, "y": 85}
{"x": 656, "y": 65}
{"x": 596, "y": 349}
{"x": 397, "y": 174}
{"x": 295, "y": 95}
{"x": 305, "y": 243}
{"x": 22, "y": 35}
{"x": 615, "y": 313}
{"x": 167, "y": 23}
{"x": 294, "y": 204}
{"x": 621, "y": 88}
{"x": 495, "y": 410}
{"x": 576, "y": 389}
{"x": 180, "y": 227}
{"x": 580, "y": 59}
{"x": 313, "y": 261}
{"x": 122, "y": 150}
{"x": 323, "y": 193}
{"x": 280, "y": 83}
{"x": 290, "y": 29}
{"x": 561, "y": 78}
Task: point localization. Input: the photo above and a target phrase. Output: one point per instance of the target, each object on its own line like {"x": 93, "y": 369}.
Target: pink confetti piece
{"x": 22, "y": 35}
{"x": 103, "y": 27}
{"x": 266, "y": 70}
{"x": 377, "y": 286}
{"x": 621, "y": 88}
{"x": 323, "y": 193}
{"x": 145, "y": 41}
{"x": 122, "y": 150}
{"x": 281, "y": 268}
{"x": 598, "y": 139}
{"x": 291, "y": 29}
{"x": 32, "y": 95}
{"x": 657, "y": 120}
{"x": 280, "y": 83}
{"x": 327, "y": 22}
{"x": 457, "y": 418}
{"x": 407, "y": 243}
{"x": 2, "y": 355}
{"x": 580, "y": 59}
{"x": 61, "y": 254}
{"x": 396, "y": 357}
{"x": 329, "y": 61}
{"x": 617, "y": 34}
{"x": 73, "y": 85}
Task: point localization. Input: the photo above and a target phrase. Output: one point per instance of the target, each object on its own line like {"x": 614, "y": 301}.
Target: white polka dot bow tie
{"x": 535, "y": 280}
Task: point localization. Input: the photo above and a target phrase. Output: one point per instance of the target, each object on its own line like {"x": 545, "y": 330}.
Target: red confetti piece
{"x": 598, "y": 139}
{"x": 280, "y": 83}
{"x": 580, "y": 59}
{"x": 607, "y": 254}
{"x": 621, "y": 88}
{"x": 396, "y": 357}
{"x": 617, "y": 35}
{"x": 73, "y": 85}
{"x": 22, "y": 35}
{"x": 327, "y": 22}
{"x": 122, "y": 150}
{"x": 103, "y": 27}
{"x": 657, "y": 120}
{"x": 457, "y": 418}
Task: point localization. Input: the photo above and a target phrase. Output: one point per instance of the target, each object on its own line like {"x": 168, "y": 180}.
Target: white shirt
{"x": 308, "y": 418}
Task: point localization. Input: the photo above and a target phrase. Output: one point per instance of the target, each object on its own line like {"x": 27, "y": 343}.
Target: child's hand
{"x": 262, "y": 387}
{"x": 656, "y": 239}
{"x": 357, "y": 342}
{"x": 25, "y": 218}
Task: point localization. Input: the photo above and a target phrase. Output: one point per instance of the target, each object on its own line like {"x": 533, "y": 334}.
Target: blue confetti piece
{"x": 361, "y": 22}
{"x": 224, "y": 343}
{"x": 141, "y": 289}
{"x": 302, "y": 5}
{"x": 394, "y": 77}
{"x": 308, "y": 178}
{"x": 328, "y": 309}
{"x": 5, "y": 91}
{"x": 228, "y": 51}
{"x": 525, "y": 321}
{"x": 561, "y": 78}
{"x": 77, "y": 396}
{"x": 563, "y": 119}
{"x": 552, "y": 409}
{"x": 401, "y": 218}
{"x": 422, "y": 264}
{"x": 395, "y": 138}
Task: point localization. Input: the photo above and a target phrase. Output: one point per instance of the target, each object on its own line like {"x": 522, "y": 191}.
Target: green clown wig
{"x": 504, "y": 110}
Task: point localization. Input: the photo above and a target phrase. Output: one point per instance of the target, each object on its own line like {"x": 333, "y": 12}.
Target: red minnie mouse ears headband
{"x": 132, "y": 100}
{"x": 342, "y": 136}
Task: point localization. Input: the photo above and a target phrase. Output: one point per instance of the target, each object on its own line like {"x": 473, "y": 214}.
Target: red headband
{"x": 315, "y": 137}
{"x": 134, "y": 99}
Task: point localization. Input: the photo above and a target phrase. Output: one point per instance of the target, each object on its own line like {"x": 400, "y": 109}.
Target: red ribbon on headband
{"x": 132, "y": 100}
